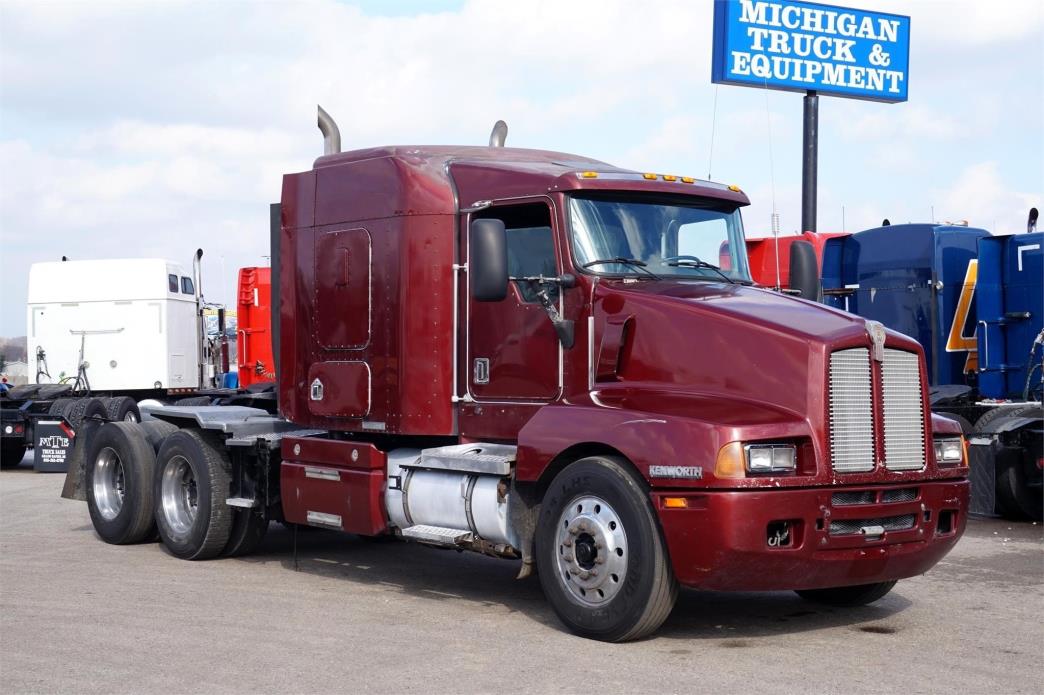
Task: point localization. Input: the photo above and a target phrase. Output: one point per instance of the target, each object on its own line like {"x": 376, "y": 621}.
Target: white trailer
{"x": 121, "y": 324}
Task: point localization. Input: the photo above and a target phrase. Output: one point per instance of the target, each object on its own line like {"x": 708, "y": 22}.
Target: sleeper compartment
{"x": 333, "y": 484}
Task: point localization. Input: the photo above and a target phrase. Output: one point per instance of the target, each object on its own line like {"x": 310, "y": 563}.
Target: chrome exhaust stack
{"x": 330, "y": 131}
{"x": 498, "y": 134}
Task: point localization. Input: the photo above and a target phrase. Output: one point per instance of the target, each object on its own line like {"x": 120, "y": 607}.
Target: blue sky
{"x": 151, "y": 129}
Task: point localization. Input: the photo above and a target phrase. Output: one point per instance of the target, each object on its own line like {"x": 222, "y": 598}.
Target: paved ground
{"x": 77, "y": 615}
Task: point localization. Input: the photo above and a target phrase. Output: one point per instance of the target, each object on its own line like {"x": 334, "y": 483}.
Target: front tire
{"x": 192, "y": 483}
{"x": 602, "y": 561}
{"x": 848, "y": 596}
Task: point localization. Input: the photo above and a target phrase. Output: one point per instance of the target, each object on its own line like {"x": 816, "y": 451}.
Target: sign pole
{"x": 809, "y": 161}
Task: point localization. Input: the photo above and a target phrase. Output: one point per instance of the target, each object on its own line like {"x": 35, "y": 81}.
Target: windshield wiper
{"x": 697, "y": 263}
{"x": 633, "y": 262}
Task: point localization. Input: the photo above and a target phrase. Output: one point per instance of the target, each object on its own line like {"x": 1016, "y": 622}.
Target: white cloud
{"x": 980, "y": 195}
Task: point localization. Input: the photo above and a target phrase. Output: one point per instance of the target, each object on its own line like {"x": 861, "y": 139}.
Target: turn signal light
{"x": 731, "y": 461}
{"x": 675, "y": 502}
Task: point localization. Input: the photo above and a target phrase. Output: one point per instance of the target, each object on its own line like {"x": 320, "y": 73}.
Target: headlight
{"x": 949, "y": 451}
{"x": 771, "y": 458}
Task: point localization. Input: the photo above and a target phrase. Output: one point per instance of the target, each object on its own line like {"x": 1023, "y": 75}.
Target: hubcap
{"x": 109, "y": 483}
{"x": 592, "y": 550}
{"x": 178, "y": 495}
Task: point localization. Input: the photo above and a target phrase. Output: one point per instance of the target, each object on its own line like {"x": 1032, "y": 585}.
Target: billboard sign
{"x": 800, "y": 46}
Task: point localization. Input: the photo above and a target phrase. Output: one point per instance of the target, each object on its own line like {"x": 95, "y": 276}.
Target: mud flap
{"x": 523, "y": 515}
{"x": 53, "y": 442}
{"x": 75, "y": 487}
{"x": 982, "y": 452}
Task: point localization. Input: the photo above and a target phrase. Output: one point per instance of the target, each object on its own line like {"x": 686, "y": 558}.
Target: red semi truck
{"x": 254, "y": 328}
{"x": 523, "y": 353}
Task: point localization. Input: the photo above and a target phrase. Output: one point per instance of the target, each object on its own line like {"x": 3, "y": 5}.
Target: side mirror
{"x": 488, "y": 264}
{"x": 804, "y": 271}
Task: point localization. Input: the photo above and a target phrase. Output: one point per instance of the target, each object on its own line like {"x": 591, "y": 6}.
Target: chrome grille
{"x": 849, "y": 527}
{"x": 903, "y": 414}
{"x": 851, "y": 411}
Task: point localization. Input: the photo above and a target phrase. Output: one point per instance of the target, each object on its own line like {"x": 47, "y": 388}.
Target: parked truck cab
{"x": 494, "y": 296}
{"x": 544, "y": 357}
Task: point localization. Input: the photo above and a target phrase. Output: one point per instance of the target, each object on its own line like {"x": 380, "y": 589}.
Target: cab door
{"x": 513, "y": 351}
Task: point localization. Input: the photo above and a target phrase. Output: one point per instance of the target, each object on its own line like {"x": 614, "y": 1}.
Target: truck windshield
{"x": 645, "y": 237}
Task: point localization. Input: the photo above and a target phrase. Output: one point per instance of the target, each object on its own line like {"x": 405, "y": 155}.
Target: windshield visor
{"x": 672, "y": 238}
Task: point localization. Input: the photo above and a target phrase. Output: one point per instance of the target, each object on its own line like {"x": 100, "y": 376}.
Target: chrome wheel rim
{"x": 591, "y": 550}
{"x": 178, "y": 496}
{"x": 110, "y": 483}
{"x": 130, "y": 417}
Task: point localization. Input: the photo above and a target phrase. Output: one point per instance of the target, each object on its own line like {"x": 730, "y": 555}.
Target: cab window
{"x": 530, "y": 245}
{"x": 186, "y": 285}
{"x": 172, "y": 283}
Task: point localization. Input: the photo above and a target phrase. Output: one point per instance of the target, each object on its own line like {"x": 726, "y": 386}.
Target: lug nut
{"x": 599, "y": 544}
{"x": 568, "y": 558}
{"x": 594, "y": 573}
{"x": 573, "y": 530}
{"x": 585, "y": 574}
{"x": 573, "y": 570}
{"x": 568, "y": 542}
{"x": 600, "y": 560}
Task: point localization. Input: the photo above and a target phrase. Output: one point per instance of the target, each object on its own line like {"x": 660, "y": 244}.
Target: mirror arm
{"x": 565, "y": 328}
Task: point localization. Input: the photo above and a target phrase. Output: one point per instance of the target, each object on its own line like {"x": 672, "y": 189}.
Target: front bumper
{"x": 721, "y": 540}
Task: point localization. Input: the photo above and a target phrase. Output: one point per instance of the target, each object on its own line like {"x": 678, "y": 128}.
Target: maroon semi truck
{"x": 524, "y": 353}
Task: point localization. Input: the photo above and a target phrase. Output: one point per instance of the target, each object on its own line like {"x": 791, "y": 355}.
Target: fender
{"x": 653, "y": 427}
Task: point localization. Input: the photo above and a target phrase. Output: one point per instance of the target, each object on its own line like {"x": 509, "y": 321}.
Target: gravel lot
{"x": 77, "y": 615}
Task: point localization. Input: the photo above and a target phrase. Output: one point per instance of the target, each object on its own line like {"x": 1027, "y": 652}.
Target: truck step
{"x": 243, "y": 502}
{"x": 489, "y": 459}
{"x": 436, "y": 535}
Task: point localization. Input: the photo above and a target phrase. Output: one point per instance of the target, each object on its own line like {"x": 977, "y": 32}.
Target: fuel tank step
{"x": 489, "y": 459}
{"x": 436, "y": 535}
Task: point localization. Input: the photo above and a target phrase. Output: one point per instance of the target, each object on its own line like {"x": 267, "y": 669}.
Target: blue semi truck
{"x": 976, "y": 303}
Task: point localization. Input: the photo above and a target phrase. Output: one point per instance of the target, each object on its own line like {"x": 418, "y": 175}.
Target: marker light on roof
{"x": 649, "y": 177}
{"x": 734, "y": 188}
{"x": 589, "y": 175}
{"x": 688, "y": 179}
{"x": 670, "y": 177}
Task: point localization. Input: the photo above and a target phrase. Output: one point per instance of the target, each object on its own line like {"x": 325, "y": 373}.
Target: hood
{"x": 717, "y": 339}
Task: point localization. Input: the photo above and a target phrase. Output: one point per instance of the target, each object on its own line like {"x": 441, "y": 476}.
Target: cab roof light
{"x": 688, "y": 179}
{"x": 734, "y": 188}
{"x": 670, "y": 177}
{"x": 589, "y": 174}
{"x": 649, "y": 177}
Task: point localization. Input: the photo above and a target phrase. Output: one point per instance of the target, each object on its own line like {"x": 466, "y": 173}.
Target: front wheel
{"x": 848, "y": 596}
{"x": 602, "y": 562}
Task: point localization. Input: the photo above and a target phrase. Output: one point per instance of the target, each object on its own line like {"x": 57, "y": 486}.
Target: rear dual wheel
{"x": 603, "y": 562}
{"x": 120, "y": 469}
{"x": 191, "y": 488}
